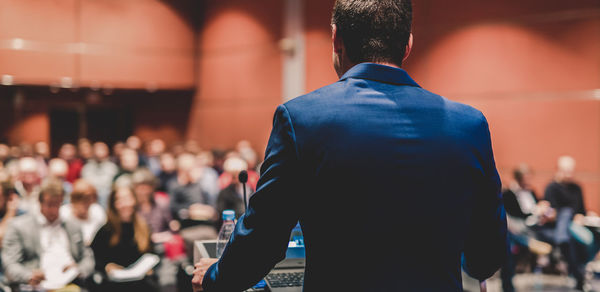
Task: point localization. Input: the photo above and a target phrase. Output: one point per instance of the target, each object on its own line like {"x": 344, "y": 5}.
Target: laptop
{"x": 286, "y": 276}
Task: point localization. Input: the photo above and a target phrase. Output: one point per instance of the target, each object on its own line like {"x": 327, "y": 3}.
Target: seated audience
{"x": 38, "y": 247}
{"x": 121, "y": 242}
{"x": 84, "y": 210}
{"x": 100, "y": 172}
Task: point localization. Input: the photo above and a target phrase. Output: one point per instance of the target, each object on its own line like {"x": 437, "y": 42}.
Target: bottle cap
{"x": 228, "y": 215}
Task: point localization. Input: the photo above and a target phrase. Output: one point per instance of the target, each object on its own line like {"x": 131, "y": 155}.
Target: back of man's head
{"x": 374, "y": 30}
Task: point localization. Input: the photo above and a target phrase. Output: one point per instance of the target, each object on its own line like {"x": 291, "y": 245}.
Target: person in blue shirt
{"x": 394, "y": 186}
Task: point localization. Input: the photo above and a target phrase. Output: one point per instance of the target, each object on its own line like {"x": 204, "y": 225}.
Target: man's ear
{"x": 408, "y": 47}
{"x": 336, "y": 39}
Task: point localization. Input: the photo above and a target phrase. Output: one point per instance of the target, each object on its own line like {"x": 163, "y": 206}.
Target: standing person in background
{"x": 566, "y": 196}
{"x": 84, "y": 209}
{"x": 121, "y": 242}
{"x": 425, "y": 163}
{"x": 100, "y": 172}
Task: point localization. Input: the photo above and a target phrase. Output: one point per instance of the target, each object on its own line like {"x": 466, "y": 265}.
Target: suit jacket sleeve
{"x": 486, "y": 245}
{"x": 261, "y": 235}
{"x": 84, "y": 256}
{"x": 13, "y": 255}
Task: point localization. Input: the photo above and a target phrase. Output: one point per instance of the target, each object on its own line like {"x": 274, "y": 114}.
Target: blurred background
{"x": 211, "y": 72}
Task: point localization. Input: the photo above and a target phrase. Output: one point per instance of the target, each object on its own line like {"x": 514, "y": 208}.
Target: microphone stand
{"x": 243, "y": 178}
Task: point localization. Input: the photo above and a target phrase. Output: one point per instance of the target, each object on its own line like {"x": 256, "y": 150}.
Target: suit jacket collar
{"x": 381, "y": 73}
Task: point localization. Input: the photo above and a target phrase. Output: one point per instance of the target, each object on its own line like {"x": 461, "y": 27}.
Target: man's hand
{"x": 200, "y": 269}
{"x": 36, "y": 278}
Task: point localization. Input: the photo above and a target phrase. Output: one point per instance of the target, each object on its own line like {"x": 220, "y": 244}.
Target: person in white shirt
{"x": 84, "y": 210}
{"x": 42, "y": 251}
{"x": 100, "y": 172}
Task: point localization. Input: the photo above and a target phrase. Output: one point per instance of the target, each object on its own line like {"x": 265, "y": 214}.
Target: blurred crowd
{"x": 551, "y": 232}
{"x": 94, "y": 210}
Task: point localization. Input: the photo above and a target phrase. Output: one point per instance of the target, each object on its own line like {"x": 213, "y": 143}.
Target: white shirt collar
{"x": 41, "y": 219}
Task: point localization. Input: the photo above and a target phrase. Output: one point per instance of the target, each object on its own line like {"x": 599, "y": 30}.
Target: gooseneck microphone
{"x": 243, "y": 178}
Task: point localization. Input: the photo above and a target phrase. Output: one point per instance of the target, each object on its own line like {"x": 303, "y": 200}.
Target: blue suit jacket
{"x": 391, "y": 185}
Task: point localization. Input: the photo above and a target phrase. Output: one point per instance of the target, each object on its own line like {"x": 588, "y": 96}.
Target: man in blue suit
{"x": 394, "y": 186}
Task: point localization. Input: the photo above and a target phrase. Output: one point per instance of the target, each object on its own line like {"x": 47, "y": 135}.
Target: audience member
{"x": 155, "y": 211}
{"x": 116, "y": 153}
{"x": 84, "y": 210}
{"x": 528, "y": 220}
{"x": 68, "y": 152}
{"x": 121, "y": 242}
{"x": 41, "y": 153}
{"x": 225, "y": 178}
{"x": 231, "y": 197}
{"x": 58, "y": 169}
{"x": 100, "y": 172}
{"x": 129, "y": 162}
{"x": 8, "y": 207}
{"x": 8, "y": 211}
{"x": 188, "y": 201}
{"x": 168, "y": 172}
{"x": 566, "y": 196}
{"x": 154, "y": 150}
{"x": 27, "y": 185}
{"x": 208, "y": 179}
{"x": 4, "y": 154}
{"x": 190, "y": 205}
{"x": 135, "y": 143}
{"x": 40, "y": 246}
{"x": 84, "y": 149}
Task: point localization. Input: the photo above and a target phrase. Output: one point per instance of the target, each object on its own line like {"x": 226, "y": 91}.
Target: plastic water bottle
{"x": 226, "y": 231}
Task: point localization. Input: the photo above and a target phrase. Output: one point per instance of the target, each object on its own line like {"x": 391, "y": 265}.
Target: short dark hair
{"x": 374, "y": 30}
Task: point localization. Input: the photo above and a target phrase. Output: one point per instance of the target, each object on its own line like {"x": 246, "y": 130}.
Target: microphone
{"x": 243, "y": 178}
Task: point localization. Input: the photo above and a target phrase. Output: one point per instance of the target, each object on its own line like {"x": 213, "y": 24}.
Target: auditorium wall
{"x": 532, "y": 67}
{"x": 94, "y": 47}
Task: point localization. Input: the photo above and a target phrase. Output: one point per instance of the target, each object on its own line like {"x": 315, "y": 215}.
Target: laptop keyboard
{"x": 292, "y": 279}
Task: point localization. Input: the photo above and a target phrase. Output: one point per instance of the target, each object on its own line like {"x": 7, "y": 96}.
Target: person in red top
{"x": 68, "y": 153}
